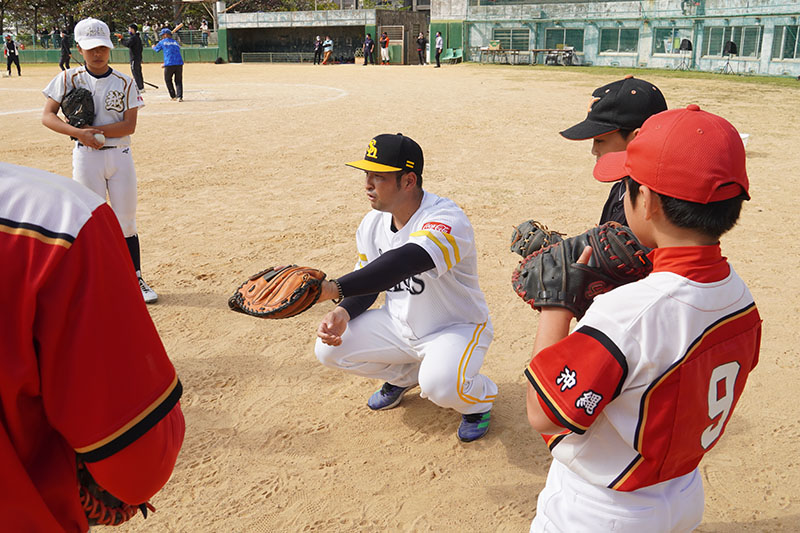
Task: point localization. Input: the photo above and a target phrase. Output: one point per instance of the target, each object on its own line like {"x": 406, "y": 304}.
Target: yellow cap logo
{"x": 591, "y": 104}
{"x": 372, "y": 150}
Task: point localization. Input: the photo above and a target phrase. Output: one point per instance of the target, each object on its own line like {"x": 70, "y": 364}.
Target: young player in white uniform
{"x": 645, "y": 385}
{"x": 434, "y": 328}
{"x": 102, "y": 166}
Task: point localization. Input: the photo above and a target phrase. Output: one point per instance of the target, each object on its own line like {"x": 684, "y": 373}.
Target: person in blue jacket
{"x": 173, "y": 62}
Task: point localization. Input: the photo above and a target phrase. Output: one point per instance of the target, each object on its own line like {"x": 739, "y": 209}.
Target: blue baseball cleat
{"x": 474, "y": 426}
{"x": 387, "y": 397}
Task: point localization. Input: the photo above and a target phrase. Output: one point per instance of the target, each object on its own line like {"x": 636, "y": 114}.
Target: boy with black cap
{"x": 616, "y": 112}
{"x": 434, "y": 328}
{"x": 646, "y": 383}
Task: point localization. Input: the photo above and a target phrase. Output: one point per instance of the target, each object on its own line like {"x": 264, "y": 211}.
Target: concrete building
{"x": 628, "y": 33}
{"x": 736, "y": 36}
{"x": 289, "y": 35}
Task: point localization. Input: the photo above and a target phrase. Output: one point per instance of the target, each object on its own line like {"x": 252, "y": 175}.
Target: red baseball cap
{"x": 687, "y": 154}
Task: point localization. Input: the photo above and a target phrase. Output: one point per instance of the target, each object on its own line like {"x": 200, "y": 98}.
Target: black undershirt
{"x": 361, "y": 287}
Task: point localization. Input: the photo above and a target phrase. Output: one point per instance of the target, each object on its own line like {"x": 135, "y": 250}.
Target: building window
{"x": 746, "y": 38}
{"x": 512, "y": 38}
{"x": 553, "y": 37}
{"x": 784, "y": 44}
{"x": 668, "y": 40}
{"x": 619, "y": 40}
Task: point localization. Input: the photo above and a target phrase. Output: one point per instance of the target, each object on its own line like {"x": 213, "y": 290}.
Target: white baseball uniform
{"x": 434, "y": 328}
{"x": 111, "y": 167}
{"x": 645, "y": 385}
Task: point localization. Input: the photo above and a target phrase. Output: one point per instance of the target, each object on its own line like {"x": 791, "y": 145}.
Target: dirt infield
{"x": 248, "y": 172}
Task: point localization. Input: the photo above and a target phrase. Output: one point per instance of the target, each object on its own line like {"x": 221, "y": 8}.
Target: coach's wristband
{"x": 339, "y": 288}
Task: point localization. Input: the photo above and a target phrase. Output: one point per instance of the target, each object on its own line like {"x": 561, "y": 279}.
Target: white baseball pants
{"x": 446, "y": 364}
{"x": 109, "y": 171}
{"x": 570, "y": 504}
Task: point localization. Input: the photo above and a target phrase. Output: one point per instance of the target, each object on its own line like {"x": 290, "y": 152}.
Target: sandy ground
{"x": 248, "y": 172}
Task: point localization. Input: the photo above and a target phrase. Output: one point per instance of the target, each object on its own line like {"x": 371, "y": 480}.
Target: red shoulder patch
{"x": 437, "y": 226}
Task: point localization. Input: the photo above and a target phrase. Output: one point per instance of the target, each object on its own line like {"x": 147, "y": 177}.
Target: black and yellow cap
{"x": 390, "y": 153}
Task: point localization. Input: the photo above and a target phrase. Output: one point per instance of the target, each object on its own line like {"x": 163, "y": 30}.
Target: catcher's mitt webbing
{"x": 531, "y": 236}
{"x": 551, "y": 277}
{"x": 78, "y": 107}
{"x": 278, "y": 292}
{"x": 103, "y": 508}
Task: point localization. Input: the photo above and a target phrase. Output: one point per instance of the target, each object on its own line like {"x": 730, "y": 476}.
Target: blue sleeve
{"x": 157, "y": 47}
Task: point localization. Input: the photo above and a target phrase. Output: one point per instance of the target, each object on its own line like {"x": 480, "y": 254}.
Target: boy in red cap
{"x": 646, "y": 383}
{"x": 616, "y": 112}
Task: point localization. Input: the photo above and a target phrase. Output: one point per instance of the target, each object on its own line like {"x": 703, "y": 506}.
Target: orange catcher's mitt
{"x": 278, "y": 292}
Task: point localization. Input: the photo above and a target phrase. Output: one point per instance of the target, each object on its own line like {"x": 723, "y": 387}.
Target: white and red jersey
{"x": 446, "y": 295}
{"x": 82, "y": 368}
{"x": 114, "y": 94}
{"x": 647, "y": 381}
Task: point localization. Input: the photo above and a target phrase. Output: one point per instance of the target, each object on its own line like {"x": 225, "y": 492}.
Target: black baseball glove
{"x": 531, "y": 236}
{"x": 551, "y": 277}
{"x": 78, "y": 107}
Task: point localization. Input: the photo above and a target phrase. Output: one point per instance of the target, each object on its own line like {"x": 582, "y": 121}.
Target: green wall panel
{"x": 452, "y": 34}
{"x": 121, "y": 55}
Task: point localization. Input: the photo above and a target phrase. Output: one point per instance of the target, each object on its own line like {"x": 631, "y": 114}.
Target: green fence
{"x": 121, "y": 55}
{"x": 47, "y": 50}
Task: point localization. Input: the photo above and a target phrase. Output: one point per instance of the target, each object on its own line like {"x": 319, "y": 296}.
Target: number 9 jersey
{"x": 647, "y": 381}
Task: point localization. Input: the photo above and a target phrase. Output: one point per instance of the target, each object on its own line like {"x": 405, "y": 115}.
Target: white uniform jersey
{"x": 114, "y": 93}
{"x": 446, "y": 295}
{"x": 663, "y": 357}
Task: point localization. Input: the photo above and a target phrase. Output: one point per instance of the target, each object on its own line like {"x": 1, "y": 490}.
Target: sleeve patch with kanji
{"x": 577, "y": 377}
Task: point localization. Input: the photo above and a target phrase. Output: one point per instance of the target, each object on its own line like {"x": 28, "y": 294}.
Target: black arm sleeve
{"x": 387, "y": 271}
{"x": 361, "y": 287}
{"x": 355, "y": 305}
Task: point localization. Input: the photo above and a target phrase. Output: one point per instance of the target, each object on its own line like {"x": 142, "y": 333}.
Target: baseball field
{"x": 248, "y": 172}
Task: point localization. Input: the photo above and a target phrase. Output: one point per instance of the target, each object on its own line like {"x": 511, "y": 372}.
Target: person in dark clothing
{"x": 134, "y": 44}
{"x": 317, "y": 51}
{"x": 65, "y": 51}
{"x": 422, "y": 44}
{"x": 11, "y": 51}
{"x": 369, "y": 48}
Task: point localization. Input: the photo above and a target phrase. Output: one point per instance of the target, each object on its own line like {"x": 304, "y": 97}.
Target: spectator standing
{"x": 317, "y": 50}
{"x": 327, "y": 48}
{"x": 45, "y": 38}
{"x": 204, "y": 31}
{"x": 369, "y": 48}
{"x": 173, "y": 63}
{"x": 439, "y": 48}
{"x": 65, "y": 51}
{"x": 135, "y": 46}
{"x": 384, "y": 45}
{"x": 11, "y": 51}
{"x": 422, "y": 44}
{"x": 146, "y": 34}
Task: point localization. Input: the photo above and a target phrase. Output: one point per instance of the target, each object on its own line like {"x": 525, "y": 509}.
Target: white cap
{"x": 91, "y": 33}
